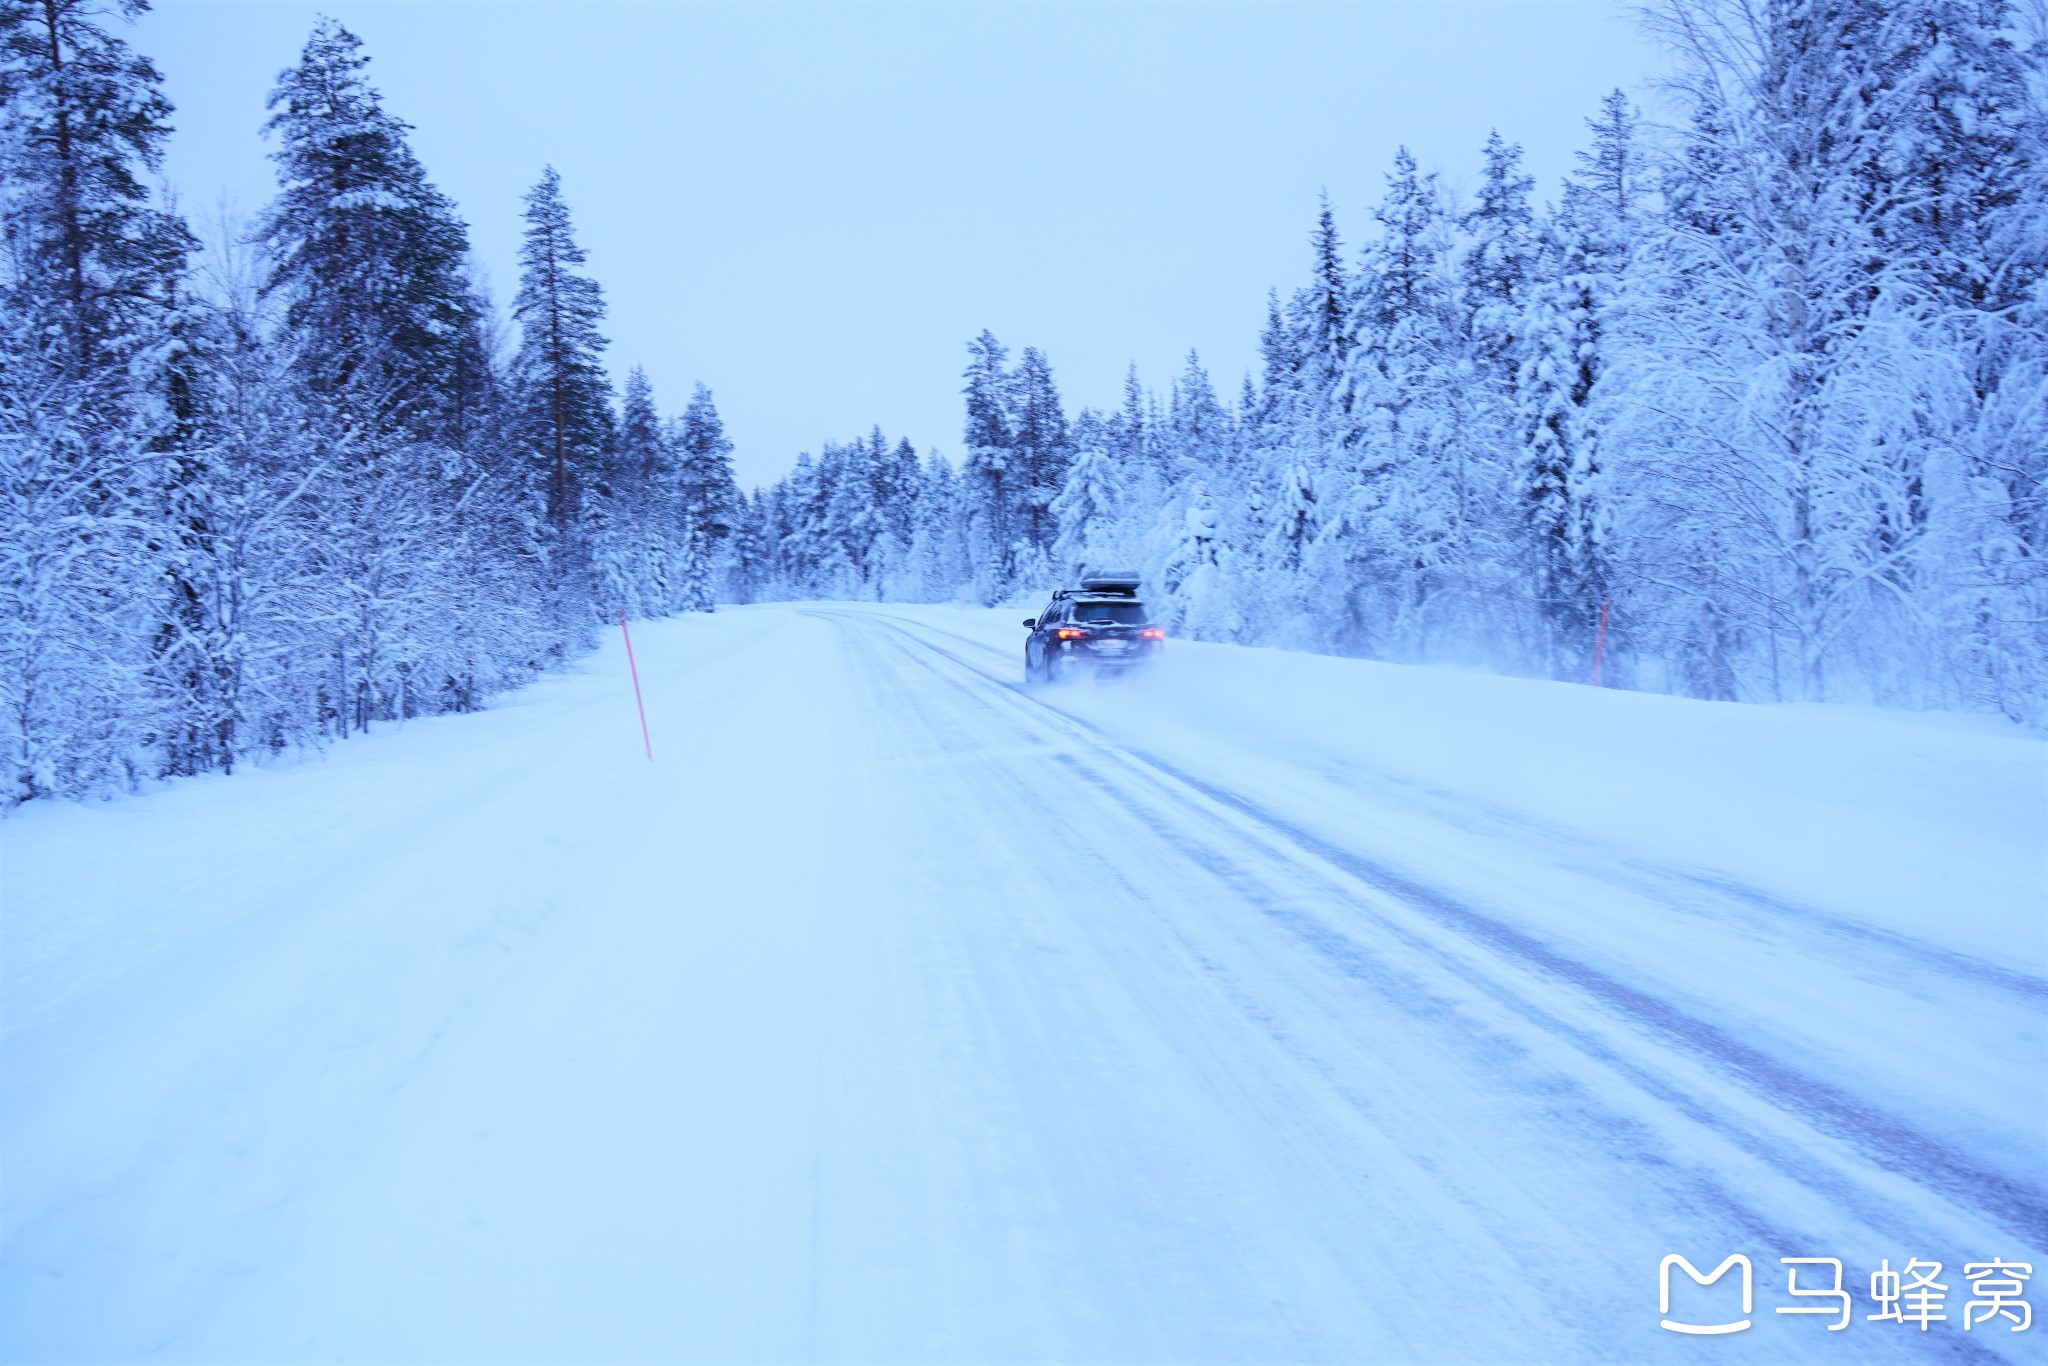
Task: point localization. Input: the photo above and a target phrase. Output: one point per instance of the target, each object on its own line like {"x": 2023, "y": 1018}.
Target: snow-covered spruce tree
{"x": 644, "y": 551}
{"x": 1196, "y": 570}
{"x": 495, "y": 615}
{"x": 1325, "y": 381}
{"x": 1497, "y": 264}
{"x": 875, "y": 471}
{"x": 1564, "y": 356}
{"x": 988, "y": 488}
{"x": 707, "y": 500}
{"x": 939, "y": 564}
{"x": 772, "y": 523}
{"x": 895, "y": 482}
{"x": 1283, "y": 437}
{"x": 563, "y": 406}
{"x": 1389, "y": 568}
{"x": 1337, "y": 396}
{"x": 843, "y": 525}
{"x": 1322, "y": 314}
{"x": 788, "y": 535}
{"x": 1496, "y": 274}
{"x": 368, "y": 267}
{"x": 1202, "y": 436}
{"x": 1131, "y": 430}
{"x": 1191, "y": 532}
{"x": 369, "y": 258}
{"x": 1568, "y": 338}
{"x": 1095, "y": 504}
{"x": 745, "y": 568}
{"x": 195, "y": 659}
{"x": 1042, "y": 451}
{"x": 88, "y": 590}
{"x": 823, "y": 565}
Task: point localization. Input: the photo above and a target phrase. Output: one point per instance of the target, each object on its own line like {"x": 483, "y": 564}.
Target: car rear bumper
{"x": 1107, "y": 659}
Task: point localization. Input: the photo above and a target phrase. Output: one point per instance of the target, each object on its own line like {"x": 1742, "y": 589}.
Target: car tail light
{"x": 1070, "y": 633}
{"x": 1153, "y": 633}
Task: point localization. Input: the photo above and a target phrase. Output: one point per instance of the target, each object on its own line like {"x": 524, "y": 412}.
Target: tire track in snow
{"x": 1889, "y": 1142}
{"x": 1261, "y": 990}
{"x": 1669, "y": 886}
{"x": 1285, "y": 865}
{"x": 1903, "y": 952}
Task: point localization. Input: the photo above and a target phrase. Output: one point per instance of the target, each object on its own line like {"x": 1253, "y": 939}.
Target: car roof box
{"x": 1110, "y": 581}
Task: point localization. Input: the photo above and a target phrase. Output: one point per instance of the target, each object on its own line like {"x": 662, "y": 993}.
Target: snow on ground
{"x": 1271, "y": 1007}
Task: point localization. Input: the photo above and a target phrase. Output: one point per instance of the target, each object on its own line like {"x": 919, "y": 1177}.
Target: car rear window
{"x": 1123, "y": 612}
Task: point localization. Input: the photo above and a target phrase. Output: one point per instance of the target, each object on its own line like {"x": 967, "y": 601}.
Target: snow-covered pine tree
{"x": 85, "y": 115}
{"x": 564, "y": 413}
{"x": 88, "y": 281}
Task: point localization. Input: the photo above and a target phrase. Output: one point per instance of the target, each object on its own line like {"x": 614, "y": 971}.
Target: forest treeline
{"x": 1768, "y": 386}
{"x": 268, "y": 494}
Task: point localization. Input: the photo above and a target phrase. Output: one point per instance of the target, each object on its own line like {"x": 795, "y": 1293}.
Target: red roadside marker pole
{"x": 634, "y": 669}
{"x": 1599, "y": 643}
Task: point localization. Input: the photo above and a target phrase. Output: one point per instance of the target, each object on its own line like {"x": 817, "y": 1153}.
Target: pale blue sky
{"x": 812, "y": 207}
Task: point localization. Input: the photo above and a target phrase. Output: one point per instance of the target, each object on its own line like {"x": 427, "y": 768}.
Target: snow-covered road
{"x": 899, "y": 1013}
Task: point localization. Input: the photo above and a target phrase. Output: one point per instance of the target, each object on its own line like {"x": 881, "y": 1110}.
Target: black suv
{"x": 1101, "y": 626}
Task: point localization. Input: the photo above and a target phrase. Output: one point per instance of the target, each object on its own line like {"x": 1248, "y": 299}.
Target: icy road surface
{"x": 1268, "y": 1009}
